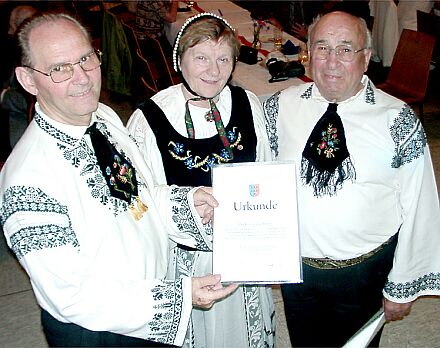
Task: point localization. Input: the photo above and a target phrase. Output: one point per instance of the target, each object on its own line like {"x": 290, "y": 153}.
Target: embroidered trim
{"x": 327, "y": 263}
{"x": 370, "y": 97}
{"x": 17, "y": 199}
{"x": 191, "y": 161}
{"x": 307, "y": 93}
{"x": 429, "y": 281}
{"x": 257, "y": 332}
{"x": 81, "y": 156}
{"x": 168, "y": 305}
{"x": 408, "y": 136}
{"x": 185, "y": 262}
{"x": 54, "y": 132}
{"x": 270, "y": 108}
{"x": 183, "y": 218}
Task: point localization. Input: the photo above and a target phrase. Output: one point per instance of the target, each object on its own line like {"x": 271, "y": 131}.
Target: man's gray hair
{"x": 36, "y": 21}
{"x": 364, "y": 28}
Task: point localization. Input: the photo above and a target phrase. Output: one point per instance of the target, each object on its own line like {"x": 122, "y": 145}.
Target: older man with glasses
{"x": 79, "y": 208}
{"x": 368, "y": 206}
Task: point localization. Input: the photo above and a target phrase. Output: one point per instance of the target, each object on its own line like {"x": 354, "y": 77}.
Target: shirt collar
{"x": 360, "y": 96}
{"x": 65, "y": 133}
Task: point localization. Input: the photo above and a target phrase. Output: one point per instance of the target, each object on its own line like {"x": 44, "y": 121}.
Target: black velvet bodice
{"x": 188, "y": 162}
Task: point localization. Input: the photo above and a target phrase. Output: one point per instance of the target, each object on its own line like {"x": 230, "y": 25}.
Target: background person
{"x": 367, "y": 198}
{"x": 185, "y": 129}
{"x": 151, "y": 17}
{"x": 14, "y": 100}
{"x": 80, "y": 211}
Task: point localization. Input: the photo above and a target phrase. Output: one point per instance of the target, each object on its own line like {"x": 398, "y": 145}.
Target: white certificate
{"x": 256, "y": 223}
{"x": 366, "y": 333}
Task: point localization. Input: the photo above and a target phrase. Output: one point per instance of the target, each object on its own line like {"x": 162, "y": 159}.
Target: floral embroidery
{"x": 185, "y": 261}
{"x": 329, "y": 142}
{"x": 178, "y": 152}
{"x": 168, "y": 311}
{"x": 270, "y": 108}
{"x": 178, "y": 148}
{"x": 124, "y": 175}
{"x": 256, "y": 327}
{"x": 25, "y": 199}
{"x": 184, "y": 219}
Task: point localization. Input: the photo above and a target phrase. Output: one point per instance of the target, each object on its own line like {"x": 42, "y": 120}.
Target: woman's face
{"x": 207, "y": 66}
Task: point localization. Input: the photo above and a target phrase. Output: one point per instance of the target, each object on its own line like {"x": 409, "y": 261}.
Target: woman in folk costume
{"x": 185, "y": 129}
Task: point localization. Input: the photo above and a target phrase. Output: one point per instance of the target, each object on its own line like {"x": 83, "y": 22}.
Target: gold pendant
{"x": 138, "y": 210}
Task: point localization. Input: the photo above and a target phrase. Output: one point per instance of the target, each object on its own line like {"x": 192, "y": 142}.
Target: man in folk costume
{"x": 369, "y": 212}
{"x": 79, "y": 208}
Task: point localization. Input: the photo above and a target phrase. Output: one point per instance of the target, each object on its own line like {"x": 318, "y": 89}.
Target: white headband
{"x": 176, "y": 61}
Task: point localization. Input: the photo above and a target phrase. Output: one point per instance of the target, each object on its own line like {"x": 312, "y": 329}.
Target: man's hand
{"x": 208, "y": 289}
{"x": 205, "y": 203}
{"x": 395, "y": 311}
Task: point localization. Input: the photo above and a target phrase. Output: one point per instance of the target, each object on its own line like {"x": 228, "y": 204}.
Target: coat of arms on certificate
{"x": 256, "y": 224}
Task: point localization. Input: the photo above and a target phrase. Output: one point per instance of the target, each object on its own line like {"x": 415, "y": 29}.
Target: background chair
{"x": 148, "y": 51}
{"x": 152, "y": 51}
{"x": 147, "y": 83}
{"x": 409, "y": 73}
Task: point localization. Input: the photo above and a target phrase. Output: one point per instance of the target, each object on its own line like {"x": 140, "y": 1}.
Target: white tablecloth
{"x": 255, "y": 77}
{"x": 234, "y": 14}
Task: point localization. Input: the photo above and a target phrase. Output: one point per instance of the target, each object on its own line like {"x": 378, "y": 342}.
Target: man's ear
{"x": 367, "y": 58}
{"x": 26, "y": 79}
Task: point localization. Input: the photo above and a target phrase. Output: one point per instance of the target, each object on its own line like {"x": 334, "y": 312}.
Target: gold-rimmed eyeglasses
{"x": 344, "y": 53}
{"x": 64, "y": 72}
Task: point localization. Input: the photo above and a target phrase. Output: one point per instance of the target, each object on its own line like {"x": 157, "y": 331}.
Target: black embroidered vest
{"x": 187, "y": 162}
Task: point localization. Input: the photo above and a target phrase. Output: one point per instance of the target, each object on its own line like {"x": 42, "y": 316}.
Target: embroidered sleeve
{"x": 270, "y": 107}
{"x": 416, "y": 267}
{"x": 53, "y": 230}
{"x": 184, "y": 217}
{"x": 426, "y": 284}
{"x": 39, "y": 231}
{"x": 168, "y": 304}
{"x": 408, "y": 136}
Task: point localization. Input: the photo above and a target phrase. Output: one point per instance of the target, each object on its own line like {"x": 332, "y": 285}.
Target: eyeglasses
{"x": 64, "y": 72}
{"x": 344, "y": 53}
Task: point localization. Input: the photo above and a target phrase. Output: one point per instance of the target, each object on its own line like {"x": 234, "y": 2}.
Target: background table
{"x": 255, "y": 77}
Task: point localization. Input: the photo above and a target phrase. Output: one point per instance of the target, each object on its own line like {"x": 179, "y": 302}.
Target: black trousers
{"x": 331, "y": 305}
{"x": 59, "y": 334}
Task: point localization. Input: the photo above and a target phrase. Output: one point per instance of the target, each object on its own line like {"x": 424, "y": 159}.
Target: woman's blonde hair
{"x": 201, "y": 28}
